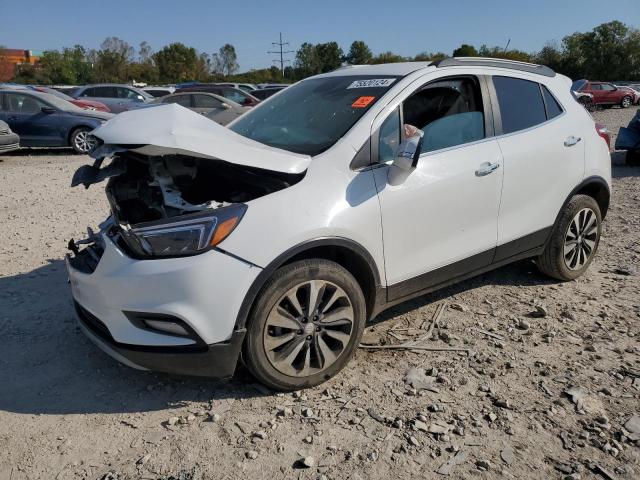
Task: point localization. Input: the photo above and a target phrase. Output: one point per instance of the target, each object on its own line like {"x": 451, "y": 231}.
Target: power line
{"x": 281, "y": 52}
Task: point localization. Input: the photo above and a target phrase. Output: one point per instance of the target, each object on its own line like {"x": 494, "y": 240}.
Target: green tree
{"x": 225, "y": 62}
{"x": 465, "y": 50}
{"x": 307, "y": 62}
{"x": 429, "y": 57}
{"x": 112, "y": 60}
{"x": 178, "y": 63}
{"x": 387, "y": 57}
{"x": 329, "y": 56}
{"x": 359, "y": 53}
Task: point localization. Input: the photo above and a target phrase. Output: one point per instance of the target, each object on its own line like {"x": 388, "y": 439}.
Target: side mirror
{"x": 226, "y": 106}
{"x": 409, "y": 152}
{"x": 140, "y": 98}
{"x": 48, "y": 110}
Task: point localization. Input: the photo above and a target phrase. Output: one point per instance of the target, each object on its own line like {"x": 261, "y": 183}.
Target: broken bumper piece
{"x": 120, "y": 301}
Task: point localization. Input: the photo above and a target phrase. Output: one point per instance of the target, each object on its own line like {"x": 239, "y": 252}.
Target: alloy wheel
{"x": 580, "y": 239}
{"x": 308, "y": 328}
{"x": 626, "y": 102}
{"x": 83, "y": 141}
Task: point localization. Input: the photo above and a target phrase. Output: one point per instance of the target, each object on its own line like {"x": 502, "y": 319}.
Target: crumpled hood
{"x": 173, "y": 129}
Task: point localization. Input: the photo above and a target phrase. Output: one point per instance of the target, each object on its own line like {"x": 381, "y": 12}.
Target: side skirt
{"x": 528, "y": 246}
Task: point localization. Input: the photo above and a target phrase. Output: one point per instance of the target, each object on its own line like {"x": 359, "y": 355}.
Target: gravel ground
{"x": 547, "y": 390}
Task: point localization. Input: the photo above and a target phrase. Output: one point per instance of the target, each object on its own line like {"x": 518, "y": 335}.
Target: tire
{"x": 574, "y": 223}
{"x": 632, "y": 158}
{"x": 80, "y": 140}
{"x": 626, "y": 102}
{"x": 269, "y": 351}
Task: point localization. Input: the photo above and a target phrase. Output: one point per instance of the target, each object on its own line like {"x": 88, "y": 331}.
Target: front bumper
{"x": 204, "y": 292}
{"x": 9, "y": 142}
{"x": 217, "y": 361}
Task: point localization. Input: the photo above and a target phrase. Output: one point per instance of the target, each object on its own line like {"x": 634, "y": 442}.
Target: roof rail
{"x": 495, "y": 62}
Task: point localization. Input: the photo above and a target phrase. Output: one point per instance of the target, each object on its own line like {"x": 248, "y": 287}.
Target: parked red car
{"x": 85, "y": 104}
{"x": 604, "y": 93}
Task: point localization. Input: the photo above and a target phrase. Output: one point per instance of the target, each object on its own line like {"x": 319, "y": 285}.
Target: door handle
{"x": 571, "y": 141}
{"x": 486, "y": 168}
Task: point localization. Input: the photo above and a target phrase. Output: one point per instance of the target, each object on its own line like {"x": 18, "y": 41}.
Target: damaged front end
{"x": 176, "y": 205}
{"x": 176, "y": 195}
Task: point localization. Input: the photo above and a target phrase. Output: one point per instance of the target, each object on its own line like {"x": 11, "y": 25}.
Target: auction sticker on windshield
{"x": 374, "y": 82}
{"x": 362, "y": 102}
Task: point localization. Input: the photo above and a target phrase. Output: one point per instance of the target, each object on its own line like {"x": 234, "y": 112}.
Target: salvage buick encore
{"x": 275, "y": 240}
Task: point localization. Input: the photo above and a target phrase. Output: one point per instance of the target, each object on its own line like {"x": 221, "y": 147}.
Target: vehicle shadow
{"x": 619, "y": 167}
{"x": 48, "y": 366}
{"x": 522, "y": 274}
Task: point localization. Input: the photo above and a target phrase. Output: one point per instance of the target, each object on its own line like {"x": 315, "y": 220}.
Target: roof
{"x": 405, "y": 68}
{"x": 400, "y": 69}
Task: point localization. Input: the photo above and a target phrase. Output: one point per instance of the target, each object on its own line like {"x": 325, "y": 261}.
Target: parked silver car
{"x": 117, "y": 97}
{"x": 215, "y": 107}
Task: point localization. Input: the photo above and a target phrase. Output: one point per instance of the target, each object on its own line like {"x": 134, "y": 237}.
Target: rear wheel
{"x": 574, "y": 240}
{"x": 81, "y": 141}
{"x": 626, "y": 102}
{"x": 305, "y": 325}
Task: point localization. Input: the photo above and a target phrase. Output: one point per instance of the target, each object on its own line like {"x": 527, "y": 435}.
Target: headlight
{"x": 184, "y": 235}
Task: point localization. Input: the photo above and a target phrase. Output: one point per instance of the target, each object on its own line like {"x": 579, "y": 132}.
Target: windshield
{"x": 59, "y": 103}
{"x": 311, "y": 116}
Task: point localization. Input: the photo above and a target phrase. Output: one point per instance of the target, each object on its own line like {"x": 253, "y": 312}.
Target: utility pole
{"x": 281, "y": 52}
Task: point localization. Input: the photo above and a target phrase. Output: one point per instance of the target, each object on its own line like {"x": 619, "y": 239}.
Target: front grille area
{"x": 87, "y": 259}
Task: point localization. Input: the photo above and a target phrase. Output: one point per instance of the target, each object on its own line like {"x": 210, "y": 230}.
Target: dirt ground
{"x": 548, "y": 388}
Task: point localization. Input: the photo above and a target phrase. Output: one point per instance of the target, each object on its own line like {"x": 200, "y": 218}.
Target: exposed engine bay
{"x": 142, "y": 189}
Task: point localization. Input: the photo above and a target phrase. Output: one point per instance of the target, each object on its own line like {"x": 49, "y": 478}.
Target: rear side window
{"x": 521, "y": 104}
{"x": 205, "y": 101}
{"x": 184, "y": 100}
{"x": 553, "y": 107}
{"x": 101, "y": 92}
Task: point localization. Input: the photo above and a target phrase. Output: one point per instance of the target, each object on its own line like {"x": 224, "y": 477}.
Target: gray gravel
{"x": 554, "y": 395}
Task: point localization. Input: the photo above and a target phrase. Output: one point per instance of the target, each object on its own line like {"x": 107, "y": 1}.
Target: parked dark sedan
{"x": 8, "y": 140}
{"x": 44, "y": 120}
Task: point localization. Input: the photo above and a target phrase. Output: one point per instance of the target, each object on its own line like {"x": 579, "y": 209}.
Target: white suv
{"x": 278, "y": 238}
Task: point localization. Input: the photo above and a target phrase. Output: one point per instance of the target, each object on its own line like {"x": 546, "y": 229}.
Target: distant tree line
{"x": 610, "y": 51}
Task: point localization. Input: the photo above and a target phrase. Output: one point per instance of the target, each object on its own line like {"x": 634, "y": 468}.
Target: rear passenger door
{"x": 543, "y": 161}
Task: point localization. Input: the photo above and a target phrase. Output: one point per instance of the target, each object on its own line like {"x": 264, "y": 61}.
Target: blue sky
{"x": 405, "y": 27}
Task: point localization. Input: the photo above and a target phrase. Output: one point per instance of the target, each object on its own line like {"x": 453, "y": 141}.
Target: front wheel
{"x": 626, "y": 102}
{"x": 81, "y": 141}
{"x": 574, "y": 240}
{"x": 305, "y": 325}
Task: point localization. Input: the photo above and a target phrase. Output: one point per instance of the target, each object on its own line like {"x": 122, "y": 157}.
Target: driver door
{"x": 440, "y": 218}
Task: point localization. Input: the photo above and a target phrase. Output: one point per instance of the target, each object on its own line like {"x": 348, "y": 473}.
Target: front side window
{"x": 449, "y": 112}
{"x": 234, "y": 96}
{"x": 19, "y": 103}
{"x": 607, "y": 87}
{"x": 311, "y": 116}
{"x": 521, "y": 104}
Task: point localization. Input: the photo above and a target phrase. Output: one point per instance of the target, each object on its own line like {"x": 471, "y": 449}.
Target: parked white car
{"x": 280, "y": 236}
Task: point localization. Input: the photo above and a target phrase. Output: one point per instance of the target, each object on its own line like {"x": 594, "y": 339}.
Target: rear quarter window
{"x": 553, "y": 107}
{"x": 521, "y": 104}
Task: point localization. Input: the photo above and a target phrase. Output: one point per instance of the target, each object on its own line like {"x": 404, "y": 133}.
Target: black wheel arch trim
{"x": 283, "y": 258}
{"x": 592, "y": 180}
